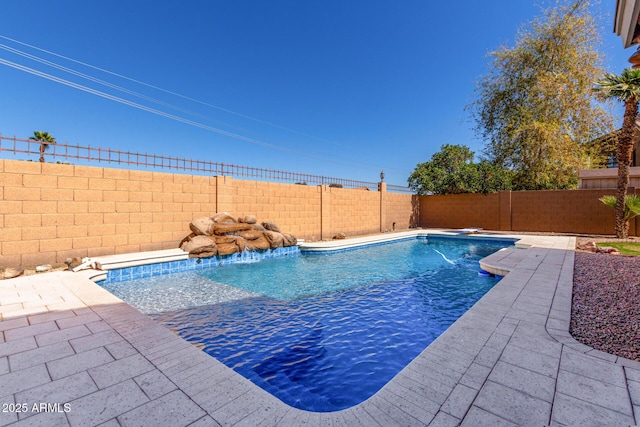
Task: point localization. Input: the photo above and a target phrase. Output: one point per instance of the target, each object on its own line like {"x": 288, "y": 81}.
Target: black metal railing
{"x": 27, "y": 149}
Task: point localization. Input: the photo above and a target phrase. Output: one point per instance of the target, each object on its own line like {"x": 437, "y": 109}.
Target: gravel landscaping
{"x": 606, "y": 303}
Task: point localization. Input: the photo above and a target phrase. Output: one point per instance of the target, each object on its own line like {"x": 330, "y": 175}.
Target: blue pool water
{"x": 321, "y": 332}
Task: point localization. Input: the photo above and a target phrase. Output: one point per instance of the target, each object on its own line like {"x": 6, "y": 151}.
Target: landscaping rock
{"x": 223, "y": 218}
{"x": 203, "y": 254}
{"x": 587, "y": 246}
{"x": 227, "y": 249}
{"x": 73, "y": 262}
{"x": 202, "y": 226}
{"x": 240, "y": 243}
{"x": 259, "y": 244}
{"x": 258, "y": 227}
{"x": 10, "y": 273}
{"x": 43, "y": 268}
{"x": 186, "y": 239}
{"x": 289, "y": 239}
{"x": 276, "y": 240}
{"x": 249, "y": 219}
{"x": 606, "y": 303}
{"x": 271, "y": 227}
{"x": 222, "y": 234}
{"x": 201, "y": 246}
{"x": 223, "y": 241}
{"x": 608, "y": 250}
{"x": 221, "y": 229}
{"x": 340, "y": 236}
{"x": 250, "y": 234}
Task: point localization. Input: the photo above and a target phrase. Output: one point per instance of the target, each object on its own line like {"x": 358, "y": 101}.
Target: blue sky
{"x": 337, "y": 88}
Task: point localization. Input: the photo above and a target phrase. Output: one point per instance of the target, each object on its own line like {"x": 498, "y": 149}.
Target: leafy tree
{"x": 452, "y": 171}
{"x": 492, "y": 178}
{"x": 45, "y": 139}
{"x": 535, "y": 108}
{"x": 625, "y": 88}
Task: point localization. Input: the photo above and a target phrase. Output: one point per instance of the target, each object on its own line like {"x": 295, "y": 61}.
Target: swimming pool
{"x": 322, "y": 332}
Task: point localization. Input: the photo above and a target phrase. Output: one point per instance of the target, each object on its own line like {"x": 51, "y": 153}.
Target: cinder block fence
{"x": 562, "y": 211}
{"x": 49, "y": 212}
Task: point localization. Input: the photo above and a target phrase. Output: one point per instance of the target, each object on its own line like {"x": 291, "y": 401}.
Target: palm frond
{"x": 631, "y": 202}
{"x": 608, "y": 201}
{"x": 43, "y": 137}
{"x": 620, "y": 87}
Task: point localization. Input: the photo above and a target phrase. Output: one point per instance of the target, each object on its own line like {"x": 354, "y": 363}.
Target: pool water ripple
{"x": 321, "y": 332}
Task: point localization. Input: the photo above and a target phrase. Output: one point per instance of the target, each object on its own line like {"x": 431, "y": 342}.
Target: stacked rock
{"x": 223, "y": 234}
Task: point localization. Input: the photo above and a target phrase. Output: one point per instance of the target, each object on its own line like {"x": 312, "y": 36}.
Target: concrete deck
{"x": 508, "y": 361}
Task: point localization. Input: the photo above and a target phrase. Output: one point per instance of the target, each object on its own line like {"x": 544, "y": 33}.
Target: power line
{"x": 107, "y": 84}
{"x": 321, "y": 156}
{"x": 157, "y": 112}
{"x": 140, "y": 106}
{"x": 163, "y": 90}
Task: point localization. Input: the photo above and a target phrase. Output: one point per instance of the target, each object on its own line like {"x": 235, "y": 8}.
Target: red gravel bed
{"x": 606, "y": 303}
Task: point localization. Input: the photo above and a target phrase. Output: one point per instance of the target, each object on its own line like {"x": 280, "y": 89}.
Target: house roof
{"x": 626, "y": 21}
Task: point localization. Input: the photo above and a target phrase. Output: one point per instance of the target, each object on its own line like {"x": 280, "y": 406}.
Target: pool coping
{"x": 99, "y": 267}
{"x": 509, "y": 360}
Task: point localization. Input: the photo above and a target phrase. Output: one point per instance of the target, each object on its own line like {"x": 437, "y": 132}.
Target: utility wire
{"x": 147, "y": 98}
{"x": 164, "y": 90}
{"x": 110, "y": 85}
{"x": 142, "y": 107}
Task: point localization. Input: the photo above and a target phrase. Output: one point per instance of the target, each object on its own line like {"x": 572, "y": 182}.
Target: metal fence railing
{"x": 399, "y": 189}
{"x": 27, "y": 149}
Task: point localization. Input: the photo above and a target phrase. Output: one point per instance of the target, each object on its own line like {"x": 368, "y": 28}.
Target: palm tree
{"x": 45, "y": 138}
{"x": 625, "y": 88}
{"x": 632, "y": 205}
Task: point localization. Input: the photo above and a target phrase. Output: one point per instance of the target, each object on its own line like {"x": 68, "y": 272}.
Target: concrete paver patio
{"x": 73, "y": 354}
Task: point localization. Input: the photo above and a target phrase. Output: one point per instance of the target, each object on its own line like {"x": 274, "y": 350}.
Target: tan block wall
{"x": 294, "y": 208}
{"x": 577, "y": 211}
{"x": 460, "y": 211}
{"x": 349, "y": 211}
{"x": 49, "y": 212}
{"x": 401, "y": 209}
{"x": 565, "y": 211}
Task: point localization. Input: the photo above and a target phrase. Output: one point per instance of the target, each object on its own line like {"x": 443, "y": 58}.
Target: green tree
{"x": 452, "y": 171}
{"x": 625, "y": 88}
{"x": 535, "y": 109}
{"x": 631, "y": 205}
{"x": 492, "y": 178}
{"x": 45, "y": 139}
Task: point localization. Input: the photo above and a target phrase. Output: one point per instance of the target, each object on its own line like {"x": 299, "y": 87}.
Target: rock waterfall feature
{"x": 223, "y": 234}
